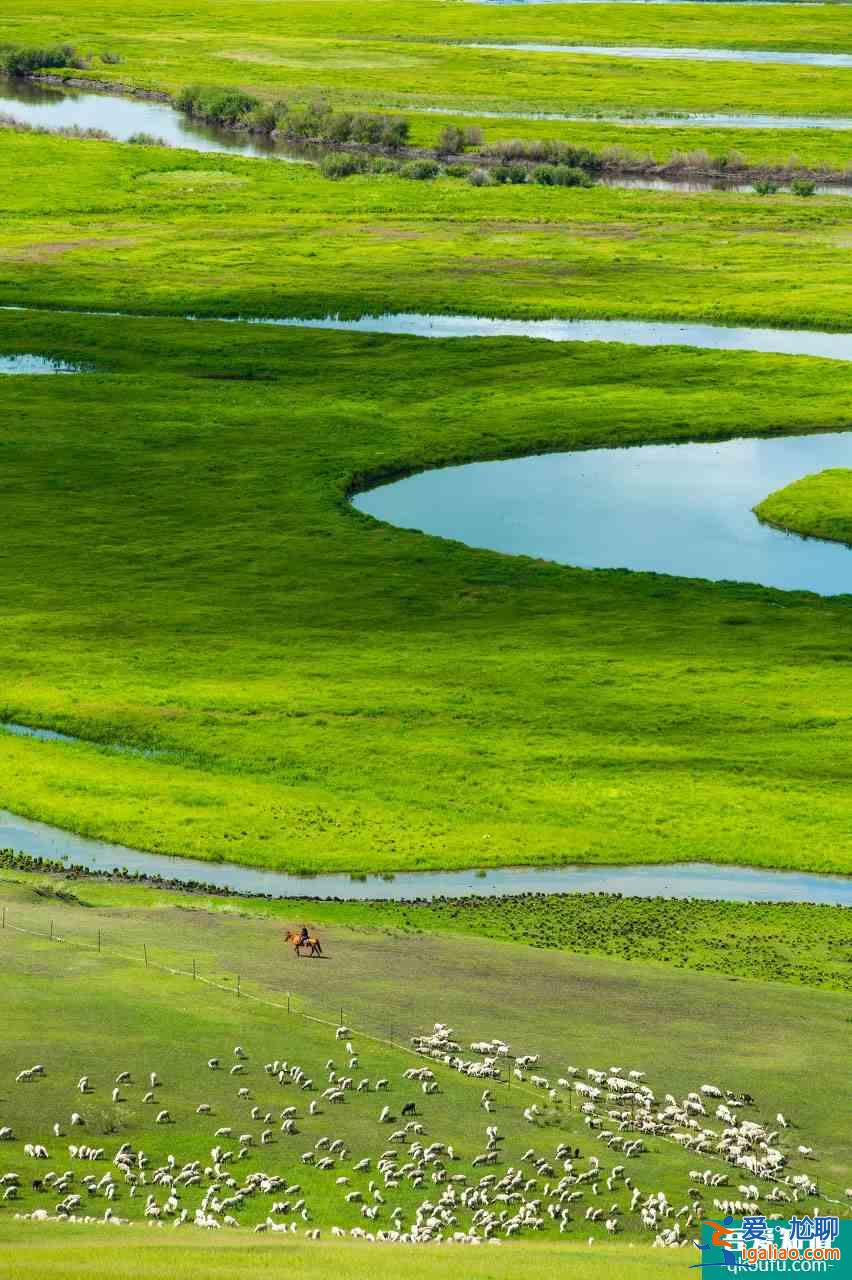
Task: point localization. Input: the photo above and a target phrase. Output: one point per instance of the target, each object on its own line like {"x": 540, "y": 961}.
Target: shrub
{"x": 220, "y": 106}
{"x": 342, "y": 165}
{"x": 480, "y": 178}
{"x": 802, "y": 187}
{"x": 515, "y": 174}
{"x": 338, "y": 127}
{"x": 384, "y": 164}
{"x": 457, "y": 170}
{"x": 766, "y": 187}
{"x": 451, "y": 141}
{"x": 111, "y": 59}
{"x": 395, "y": 130}
{"x": 23, "y": 62}
{"x": 561, "y": 175}
{"x": 261, "y": 119}
{"x": 420, "y": 170}
{"x": 367, "y": 129}
{"x": 146, "y": 140}
{"x": 472, "y": 136}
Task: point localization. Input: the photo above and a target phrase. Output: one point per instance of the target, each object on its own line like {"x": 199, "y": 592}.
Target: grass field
{"x": 79, "y": 1011}
{"x": 817, "y": 506}
{"x": 231, "y": 611}
{"x": 395, "y": 53}
{"x": 56, "y": 1251}
{"x": 798, "y": 943}
{"x": 175, "y": 232}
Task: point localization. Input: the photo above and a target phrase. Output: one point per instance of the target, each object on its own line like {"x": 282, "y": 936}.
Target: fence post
{"x": 238, "y": 986}
{"x": 340, "y": 1023}
{"x": 193, "y": 968}
{"x": 288, "y": 1001}
{"x": 51, "y": 931}
{"x": 145, "y": 951}
{"x": 4, "y": 917}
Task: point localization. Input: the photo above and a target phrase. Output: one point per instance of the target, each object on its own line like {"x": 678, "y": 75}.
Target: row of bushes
{"x": 316, "y": 122}
{"x": 344, "y": 164}
{"x": 16, "y": 61}
{"x": 23, "y": 62}
{"x": 546, "y": 151}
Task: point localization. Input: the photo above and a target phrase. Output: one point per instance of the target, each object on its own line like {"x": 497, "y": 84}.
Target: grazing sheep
{"x": 163, "y": 1117}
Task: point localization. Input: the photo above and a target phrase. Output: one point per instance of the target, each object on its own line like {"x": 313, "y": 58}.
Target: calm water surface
{"x": 683, "y": 880}
{"x": 55, "y": 108}
{"x": 28, "y": 363}
{"x": 674, "y": 509}
{"x": 786, "y": 57}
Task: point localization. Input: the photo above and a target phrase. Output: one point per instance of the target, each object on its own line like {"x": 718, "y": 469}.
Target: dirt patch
{"x": 52, "y": 248}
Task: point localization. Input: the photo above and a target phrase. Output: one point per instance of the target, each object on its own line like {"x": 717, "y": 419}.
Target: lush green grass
{"x": 149, "y": 229}
{"x": 77, "y": 1010}
{"x": 390, "y": 53}
{"x": 72, "y": 1253}
{"x": 818, "y": 506}
{"x": 813, "y": 148}
{"x": 182, "y": 572}
{"x": 799, "y": 943}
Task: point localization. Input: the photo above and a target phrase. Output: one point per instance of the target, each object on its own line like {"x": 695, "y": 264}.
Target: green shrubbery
{"x": 24, "y": 61}
{"x": 561, "y": 175}
{"x": 453, "y": 139}
{"x": 802, "y": 187}
{"x": 219, "y": 106}
{"x": 420, "y": 170}
{"x": 315, "y": 122}
{"x": 549, "y": 151}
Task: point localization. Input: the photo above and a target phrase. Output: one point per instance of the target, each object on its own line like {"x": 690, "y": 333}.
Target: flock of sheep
{"x": 418, "y": 1188}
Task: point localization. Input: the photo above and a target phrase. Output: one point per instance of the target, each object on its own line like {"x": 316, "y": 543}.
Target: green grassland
{"x": 813, "y": 148}
{"x": 155, "y": 230}
{"x": 74, "y": 1253}
{"x": 799, "y": 943}
{"x": 81, "y": 1011}
{"x": 818, "y": 506}
{"x": 391, "y": 54}
{"x": 183, "y": 573}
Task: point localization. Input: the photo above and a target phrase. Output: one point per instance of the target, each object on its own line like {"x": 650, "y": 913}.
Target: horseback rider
{"x": 304, "y": 936}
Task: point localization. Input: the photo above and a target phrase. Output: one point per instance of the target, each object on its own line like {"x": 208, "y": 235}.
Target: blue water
{"x": 678, "y": 880}
{"x": 28, "y": 363}
{"x": 673, "y": 509}
{"x": 767, "y": 56}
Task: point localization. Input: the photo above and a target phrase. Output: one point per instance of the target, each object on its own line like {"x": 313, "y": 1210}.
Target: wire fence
{"x": 393, "y": 1032}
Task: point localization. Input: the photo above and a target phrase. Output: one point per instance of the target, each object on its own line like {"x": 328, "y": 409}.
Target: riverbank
{"x": 803, "y": 944}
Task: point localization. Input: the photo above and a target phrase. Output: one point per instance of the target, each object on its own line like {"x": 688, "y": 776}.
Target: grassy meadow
{"x": 155, "y": 230}
{"x": 818, "y": 506}
{"x": 799, "y": 943}
{"x": 394, "y": 53}
{"x": 52, "y": 1250}
{"x": 104, "y": 1012}
{"x": 227, "y": 609}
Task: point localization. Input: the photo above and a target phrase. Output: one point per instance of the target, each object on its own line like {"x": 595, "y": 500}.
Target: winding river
{"x": 586, "y": 508}
{"x": 678, "y": 880}
{"x": 123, "y": 116}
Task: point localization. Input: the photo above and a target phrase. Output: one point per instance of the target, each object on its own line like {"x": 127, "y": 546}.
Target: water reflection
{"x": 684, "y": 54}
{"x": 673, "y": 509}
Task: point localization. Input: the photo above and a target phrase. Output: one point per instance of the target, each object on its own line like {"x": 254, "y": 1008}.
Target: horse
{"x": 312, "y": 942}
